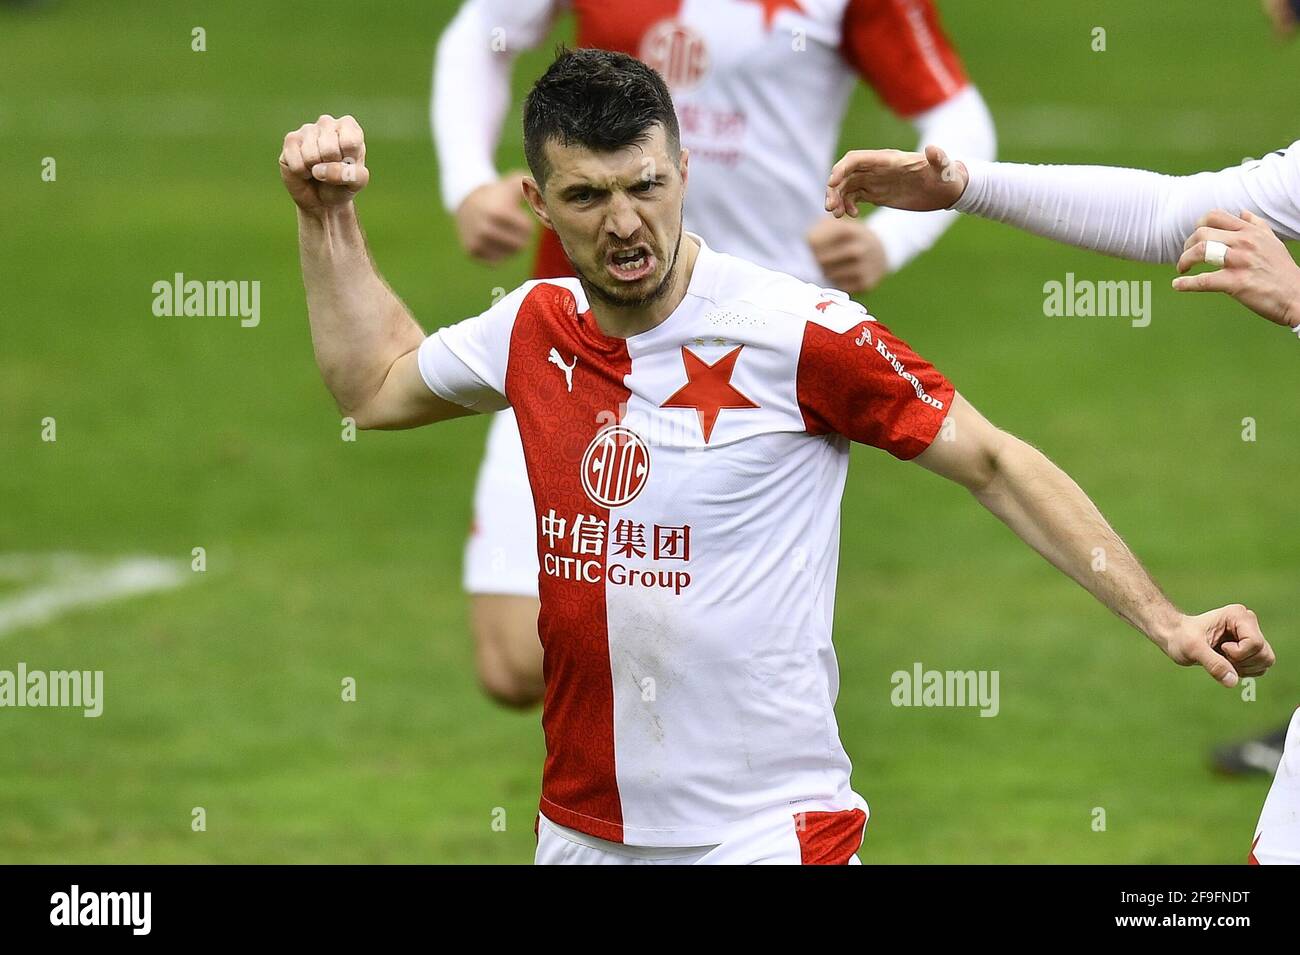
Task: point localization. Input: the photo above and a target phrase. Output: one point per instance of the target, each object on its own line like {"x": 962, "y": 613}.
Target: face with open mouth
{"x": 618, "y": 215}
{"x": 640, "y": 275}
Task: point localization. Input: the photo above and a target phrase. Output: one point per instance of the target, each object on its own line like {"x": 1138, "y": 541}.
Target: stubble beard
{"x": 599, "y": 293}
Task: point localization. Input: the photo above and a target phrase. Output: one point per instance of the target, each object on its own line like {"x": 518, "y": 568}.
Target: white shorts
{"x": 1277, "y": 837}
{"x": 501, "y": 553}
{"x": 778, "y": 838}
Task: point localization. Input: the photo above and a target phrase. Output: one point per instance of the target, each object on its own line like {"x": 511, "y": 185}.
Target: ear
{"x": 533, "y": 195}
{"x": 685, "y": 163}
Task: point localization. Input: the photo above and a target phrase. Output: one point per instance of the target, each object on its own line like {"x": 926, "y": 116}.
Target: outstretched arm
{"x": 364, "y": 338}
{"x": 1047, "y": 510}
{"x": 1129, "y": 213}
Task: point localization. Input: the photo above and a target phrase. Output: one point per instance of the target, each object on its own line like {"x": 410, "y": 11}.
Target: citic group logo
{"x": 615, "y": 466}
{"x": 677, "y": 52}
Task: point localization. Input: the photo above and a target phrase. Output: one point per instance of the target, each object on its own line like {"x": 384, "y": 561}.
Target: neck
{"x": 624, "y": 322}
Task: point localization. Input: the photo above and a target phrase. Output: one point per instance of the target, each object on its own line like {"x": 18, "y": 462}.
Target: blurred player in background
{"x": 761, "y": 88}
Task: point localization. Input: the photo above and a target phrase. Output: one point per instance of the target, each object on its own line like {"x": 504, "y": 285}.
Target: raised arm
{"x": 1052, "y": 514}
{"x": 365, "y": 340}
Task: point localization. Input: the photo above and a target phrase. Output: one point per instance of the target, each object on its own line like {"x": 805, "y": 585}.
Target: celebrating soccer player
{"x": 686, "y": 418}
{"x": 761, "y": 89}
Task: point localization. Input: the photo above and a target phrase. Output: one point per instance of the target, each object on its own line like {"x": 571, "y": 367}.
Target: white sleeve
{"x": 466, "y": 363}
{"x": 471, "y": 86}
{"x": 1132, "y": 213}
{"x": 962, "y": 125}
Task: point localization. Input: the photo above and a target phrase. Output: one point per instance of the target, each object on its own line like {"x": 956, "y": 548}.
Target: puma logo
{"x": 864, "y": 338}
{"x": 555, "y": 359}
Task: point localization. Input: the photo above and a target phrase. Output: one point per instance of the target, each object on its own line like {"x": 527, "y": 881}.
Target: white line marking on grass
{"x": 66, "y": 582}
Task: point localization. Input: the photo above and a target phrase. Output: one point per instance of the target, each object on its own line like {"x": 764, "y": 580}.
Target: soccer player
{"x": 686, "y": 418}
{"x": 761, "y": 90}
{"x": 1129, "y": 213}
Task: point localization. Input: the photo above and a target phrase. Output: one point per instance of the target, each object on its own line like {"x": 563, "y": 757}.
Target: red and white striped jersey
{"x": 686, "y": 483}
{"x": 761, "y": 89}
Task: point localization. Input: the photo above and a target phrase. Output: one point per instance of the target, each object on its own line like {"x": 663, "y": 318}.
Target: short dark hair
{"x": 598, "y": 99}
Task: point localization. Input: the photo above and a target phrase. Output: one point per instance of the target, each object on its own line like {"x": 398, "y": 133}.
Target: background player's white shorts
{"x": 1277, "y": 837}
{"x": 501, "y": 553}
{"x": 779, "y": 838}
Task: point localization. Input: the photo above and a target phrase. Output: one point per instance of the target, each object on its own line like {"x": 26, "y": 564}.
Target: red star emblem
{"x": 708, "y": 388}
{"x": 772, "y": 7}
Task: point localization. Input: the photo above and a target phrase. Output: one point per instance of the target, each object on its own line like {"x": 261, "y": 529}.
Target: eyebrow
{"x": 568, "y": 192}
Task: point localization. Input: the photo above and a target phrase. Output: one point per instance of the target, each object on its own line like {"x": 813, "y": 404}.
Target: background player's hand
{"x": 323, "y": 164}
{"x": 1227, "y": 642}
{"x": 920, "y": 182}
{"x": 491, "y": 221}
{"x": 1257, "y": 270}
{"x": 851, "y": 256}
{"x": 1282, "y": 15}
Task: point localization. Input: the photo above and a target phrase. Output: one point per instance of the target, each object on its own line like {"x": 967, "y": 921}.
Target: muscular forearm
{"x": 1052, "y": 514}
{"x": 359, "y": 328}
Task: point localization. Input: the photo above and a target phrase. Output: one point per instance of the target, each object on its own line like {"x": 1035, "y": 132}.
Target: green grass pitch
{"x": 330, "y": 559}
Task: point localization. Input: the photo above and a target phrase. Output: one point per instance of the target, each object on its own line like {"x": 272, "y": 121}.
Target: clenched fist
{"x": 323, "y": 164}
{"x": 1227, "y": 642}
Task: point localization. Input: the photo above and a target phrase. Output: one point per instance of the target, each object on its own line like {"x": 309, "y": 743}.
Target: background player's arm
{"x": 471, "y": 97}
{"x": 965, "y": 125}
{"x": 364, "y": 338}
{"x": 902, "y": 53}
{"x": 1129, "y": 213}
{"x": 1051, "y": 513}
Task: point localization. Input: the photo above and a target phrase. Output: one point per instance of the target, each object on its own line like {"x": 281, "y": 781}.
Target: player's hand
{"x": 919, "y": 182}
{"x": 1257, "y": 269}
{"x": 323, "y": 164}
{"x": 491, "y": 220}
{"x": 1227, "y": 642}
{"x": 1282, "y": 16}
{"x": 851, "y": 256}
